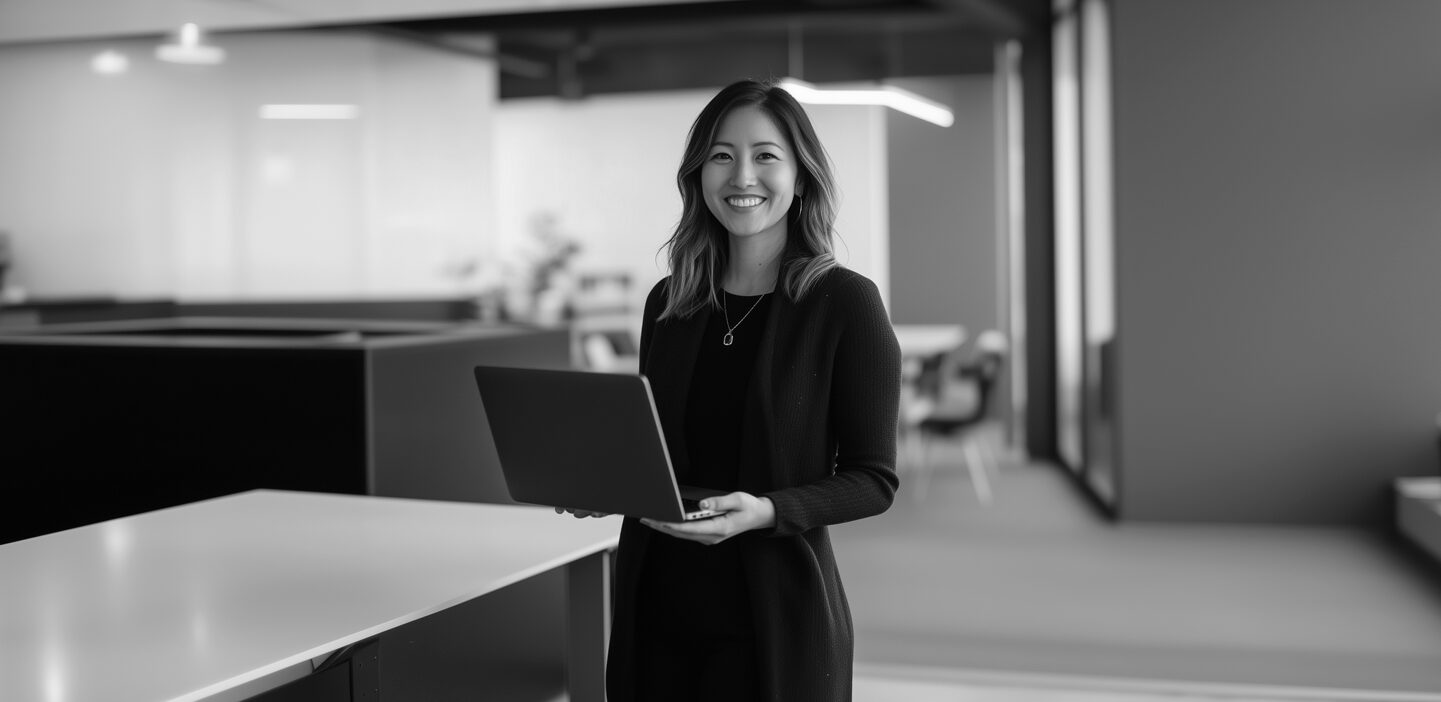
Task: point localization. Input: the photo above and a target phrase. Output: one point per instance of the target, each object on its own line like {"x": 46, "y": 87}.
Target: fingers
{"x": 581, "y": 513}
{"x": 737, "y": 514}
{"x": 732, "y": 502}
{"x": 706, "y": 531}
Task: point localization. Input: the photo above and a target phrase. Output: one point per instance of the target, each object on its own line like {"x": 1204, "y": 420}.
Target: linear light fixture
{"x": 309, "y": 111}
{"x": 885, "y": 96}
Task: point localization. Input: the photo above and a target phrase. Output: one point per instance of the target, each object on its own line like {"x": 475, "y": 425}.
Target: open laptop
{"x": 584, "y": 440}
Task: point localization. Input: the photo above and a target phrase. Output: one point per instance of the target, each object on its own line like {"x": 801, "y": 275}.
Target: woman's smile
{"x": 749, "y": 176}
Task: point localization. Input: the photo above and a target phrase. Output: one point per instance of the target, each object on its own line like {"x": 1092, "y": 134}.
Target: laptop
{"x": 584, "y": 440}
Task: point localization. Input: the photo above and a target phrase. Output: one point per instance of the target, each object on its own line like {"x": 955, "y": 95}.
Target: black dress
{"x": 694, "y": 628}
{"x": 818, "y": 439}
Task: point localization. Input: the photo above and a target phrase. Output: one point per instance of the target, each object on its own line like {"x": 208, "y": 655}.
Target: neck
{"x": 755, "y": 263}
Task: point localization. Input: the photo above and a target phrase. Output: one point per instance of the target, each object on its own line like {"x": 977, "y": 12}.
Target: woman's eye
{"x": 721, "y": 156}
{"x": 766, "y": 157}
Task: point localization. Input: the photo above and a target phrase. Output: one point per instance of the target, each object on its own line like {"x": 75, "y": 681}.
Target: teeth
{"x": 744, "y": 201}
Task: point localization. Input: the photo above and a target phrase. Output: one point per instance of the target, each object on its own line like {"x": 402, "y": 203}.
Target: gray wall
{"x": 942, "y": 188}
{"x": 1278, "y": 238}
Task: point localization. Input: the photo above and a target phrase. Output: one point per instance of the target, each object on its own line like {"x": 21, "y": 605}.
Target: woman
{"x": 776, "y": 375}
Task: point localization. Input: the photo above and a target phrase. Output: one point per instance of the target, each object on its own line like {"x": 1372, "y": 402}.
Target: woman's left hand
{"x": 742, "y": 512}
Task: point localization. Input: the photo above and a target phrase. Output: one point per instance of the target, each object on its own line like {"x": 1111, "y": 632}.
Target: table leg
{"x": 588, "y": 605}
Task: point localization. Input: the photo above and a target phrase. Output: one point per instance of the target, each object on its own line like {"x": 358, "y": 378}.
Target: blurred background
{"x": 1164, "y": 279}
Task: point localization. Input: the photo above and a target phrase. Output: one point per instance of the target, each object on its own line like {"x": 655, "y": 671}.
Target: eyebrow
{"x": 759, "y": 143}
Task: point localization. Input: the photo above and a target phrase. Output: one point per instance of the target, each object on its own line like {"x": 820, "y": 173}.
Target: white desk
{"x": 229, "y": 597}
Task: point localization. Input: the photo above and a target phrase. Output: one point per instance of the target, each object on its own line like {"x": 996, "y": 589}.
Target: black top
{"x": 687, "y": 582}
{"x": 716, "y": 408}
{"x": 819, "y": 439}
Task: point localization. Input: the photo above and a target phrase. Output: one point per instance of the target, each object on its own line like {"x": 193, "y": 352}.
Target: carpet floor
{"x": 1036, "y": 583}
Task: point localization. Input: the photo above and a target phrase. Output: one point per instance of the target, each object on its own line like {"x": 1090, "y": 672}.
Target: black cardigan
{"x": 819, "y": 440}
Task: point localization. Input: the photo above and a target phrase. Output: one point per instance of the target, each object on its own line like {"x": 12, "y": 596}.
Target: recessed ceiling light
{"x": 309, "y": 111}
{"x": 190, "y": 47}
{"x": 109, "y": 63}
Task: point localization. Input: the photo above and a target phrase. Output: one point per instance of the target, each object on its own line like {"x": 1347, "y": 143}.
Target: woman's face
{"x": 749, "y": 176}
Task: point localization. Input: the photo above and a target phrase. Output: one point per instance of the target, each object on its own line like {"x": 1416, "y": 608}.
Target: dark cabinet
{"x": 108, "y": 419}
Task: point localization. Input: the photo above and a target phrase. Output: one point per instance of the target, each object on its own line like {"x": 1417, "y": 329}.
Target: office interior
{"x": 1200, "y": 233}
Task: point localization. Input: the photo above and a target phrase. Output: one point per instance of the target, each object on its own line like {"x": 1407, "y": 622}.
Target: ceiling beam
{"x": 736, "y": 15}
{"x": 998, "y": 16}
{"x": 507, "y": 63}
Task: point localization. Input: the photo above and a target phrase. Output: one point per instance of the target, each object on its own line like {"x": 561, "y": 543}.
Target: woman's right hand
{"x": 580, "y": 513}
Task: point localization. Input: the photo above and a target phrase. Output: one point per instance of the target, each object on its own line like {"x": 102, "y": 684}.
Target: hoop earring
{"x": 800, "y": 207}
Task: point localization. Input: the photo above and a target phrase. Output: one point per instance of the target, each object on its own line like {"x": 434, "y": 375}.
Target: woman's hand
{"x": 742, "y": 512}
{"x": 580, "y": 513}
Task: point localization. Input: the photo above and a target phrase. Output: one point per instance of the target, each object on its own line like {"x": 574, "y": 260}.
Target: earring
{"x": 800, "y": 206}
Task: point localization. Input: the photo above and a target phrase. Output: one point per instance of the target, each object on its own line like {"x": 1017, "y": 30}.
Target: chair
{"x": 920, "y": 379}
{"x": 609, "y": 351}
{"x": 961, "y": 393}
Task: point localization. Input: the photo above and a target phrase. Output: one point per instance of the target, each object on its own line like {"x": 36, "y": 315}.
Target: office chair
{"x": 920, "y": 389}
{"x": 962, "y": 393}
{"x": 609, "y": 351}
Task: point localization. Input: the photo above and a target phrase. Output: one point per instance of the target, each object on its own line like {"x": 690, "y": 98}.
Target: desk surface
{"x": 254, "y": 332}
{"x": 927, "y": 339}
{"x": 187, "y": 602}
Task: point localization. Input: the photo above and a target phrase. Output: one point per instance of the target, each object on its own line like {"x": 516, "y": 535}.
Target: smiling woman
{"x": 776, "y": 377}
{"x": 753, "y": 140}
{"x": 749, "y": 179}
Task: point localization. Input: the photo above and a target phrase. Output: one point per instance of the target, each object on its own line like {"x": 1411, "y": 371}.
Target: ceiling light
{"x": 109, "y": 63}
{"x": 309, "y": 111}
{"x": 189, "y": 47}
{"x": 885, "y": 96}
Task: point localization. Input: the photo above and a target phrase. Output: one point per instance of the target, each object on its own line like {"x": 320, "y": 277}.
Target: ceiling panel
{"x": 704, "y": 45}
{"x": 574, "y": 48}
{"x": 50, "y": 20}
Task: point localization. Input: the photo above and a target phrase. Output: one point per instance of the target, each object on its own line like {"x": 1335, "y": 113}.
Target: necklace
{"x": 730, "y": 338}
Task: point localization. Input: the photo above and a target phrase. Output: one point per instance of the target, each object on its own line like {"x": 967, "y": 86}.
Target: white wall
{"x": 605, "y": 168}
{"x": 164, "y": 182}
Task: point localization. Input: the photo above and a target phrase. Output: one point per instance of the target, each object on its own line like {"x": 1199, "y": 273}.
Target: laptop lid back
{"x": 580, "y": 439}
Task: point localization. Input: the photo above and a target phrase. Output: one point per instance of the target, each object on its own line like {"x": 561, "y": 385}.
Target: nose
{"x": 744, "y": 174}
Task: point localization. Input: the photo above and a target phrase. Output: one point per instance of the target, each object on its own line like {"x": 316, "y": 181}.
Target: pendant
{"x": 728, "y": 339}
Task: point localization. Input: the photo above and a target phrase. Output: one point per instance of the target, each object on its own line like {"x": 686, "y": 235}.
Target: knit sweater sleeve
{"x": 864, "y": 403}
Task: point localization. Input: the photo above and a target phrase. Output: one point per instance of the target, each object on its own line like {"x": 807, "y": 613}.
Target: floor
{"x": 1034, "y": 595}
{"x": 928, "y": 686}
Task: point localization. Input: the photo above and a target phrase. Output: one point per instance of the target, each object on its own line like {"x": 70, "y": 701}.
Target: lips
{"x": 744, "y": 200}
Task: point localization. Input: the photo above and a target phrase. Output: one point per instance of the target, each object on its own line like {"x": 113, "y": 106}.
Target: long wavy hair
{"x": 699, "y": 249}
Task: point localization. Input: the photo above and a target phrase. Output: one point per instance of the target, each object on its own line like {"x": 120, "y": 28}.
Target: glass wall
{"x": 1085, "y": 248}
